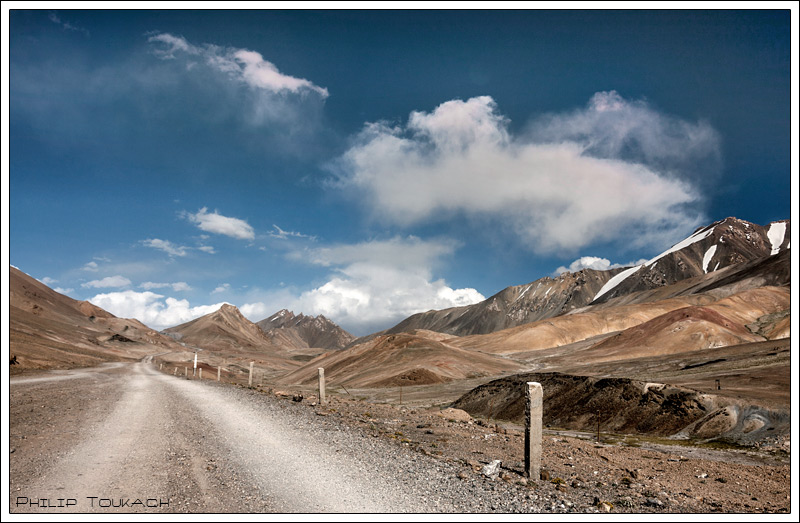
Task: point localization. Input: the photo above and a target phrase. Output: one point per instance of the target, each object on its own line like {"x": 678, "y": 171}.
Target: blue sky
{"x": 367, "y": 165}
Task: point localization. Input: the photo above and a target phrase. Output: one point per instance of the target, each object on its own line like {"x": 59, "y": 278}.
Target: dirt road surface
{"x": 128, "y": 438}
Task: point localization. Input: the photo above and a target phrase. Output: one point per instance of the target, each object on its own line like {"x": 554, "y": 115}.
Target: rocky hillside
{"x": 719, "y": 246}
{"x": 225, "y": 330}
{"x": 50, "y": 330}
{"x": 626, "y": 406}
{"x": 394, "y": 360}
{"x": 722, "y": 244}
{"x": 517, "y": 305}
{"x": 300, "y": 331}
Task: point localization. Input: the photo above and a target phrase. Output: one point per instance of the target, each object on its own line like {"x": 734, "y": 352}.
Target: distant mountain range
{"x": 619, "y": 313}
{"x": 302, "y": 331}
{"x": 710, "y": 249}
{"x": 225, "y": 329}
{"x": 715, "y": 307}
{"x": 725, "y": 285}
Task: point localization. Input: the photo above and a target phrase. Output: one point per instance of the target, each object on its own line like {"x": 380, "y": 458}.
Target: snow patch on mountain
{"x": 694, "y": 238}
{"x": 776, "y": 234}
{"x": 616, "y": 280}
{"x": 707, "y": 257}
{"x": 619, "y": 278}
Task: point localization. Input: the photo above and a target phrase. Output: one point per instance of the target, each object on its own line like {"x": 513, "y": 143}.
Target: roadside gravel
{"x": 205, "y": 447}
{"x": 133, "y": 433}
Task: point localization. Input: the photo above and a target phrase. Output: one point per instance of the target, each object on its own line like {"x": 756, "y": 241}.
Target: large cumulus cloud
{"x": 612, "y": 169}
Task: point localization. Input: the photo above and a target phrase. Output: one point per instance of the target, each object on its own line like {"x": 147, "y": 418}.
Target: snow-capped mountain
{"x": 722, "y": 244}
{"x": 726, "y": 243}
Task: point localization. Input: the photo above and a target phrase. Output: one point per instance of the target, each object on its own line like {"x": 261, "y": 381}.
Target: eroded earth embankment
{"x": 628, "y": 406}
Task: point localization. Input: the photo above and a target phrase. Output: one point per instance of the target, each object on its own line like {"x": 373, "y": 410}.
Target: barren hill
{"x": 50, "y": 330}
{"x": 701, "y": 260}
{"x": 722, "y": 323}
{"x": 400, "y": 359}
{"x": 726, "y": 243}
{"x": 513, "y": 306}
{"x": 300, "y": 331}
{"x": 624, "y": 405}
{"x": 224, "y": 330}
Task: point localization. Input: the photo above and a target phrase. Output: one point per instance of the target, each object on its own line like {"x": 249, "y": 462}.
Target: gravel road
{"x": 128, "y": 438}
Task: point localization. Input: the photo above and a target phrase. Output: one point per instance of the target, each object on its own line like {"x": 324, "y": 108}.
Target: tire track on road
{"x": 291, "y": 468}
{"x": 137, "y": 452}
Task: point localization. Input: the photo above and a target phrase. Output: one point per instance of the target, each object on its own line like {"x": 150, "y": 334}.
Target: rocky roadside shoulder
{"x": 579, "y": 475}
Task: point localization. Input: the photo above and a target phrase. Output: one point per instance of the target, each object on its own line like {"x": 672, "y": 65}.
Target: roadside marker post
{"x": 200, "y": 373}
{"x": 533, "y": 430}
{"x": 321, "y": 385}
{"x": 219, "y": 371}
{"x": 250, "y": 379}
{"x": 194, "y": 371}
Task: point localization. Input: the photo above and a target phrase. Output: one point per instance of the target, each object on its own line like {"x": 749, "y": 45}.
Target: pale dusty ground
{"x": 130, "y": 432}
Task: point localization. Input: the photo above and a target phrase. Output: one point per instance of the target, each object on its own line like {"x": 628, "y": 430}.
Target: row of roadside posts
{"x": 533, "y": 415}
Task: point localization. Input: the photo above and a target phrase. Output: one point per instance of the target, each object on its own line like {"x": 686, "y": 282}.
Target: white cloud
{"x": 593, "y": 262}
{"x": 207, "y": 248}
{"x": 66, "y": 25}
{"x": 91, "y": 267}
{"x": 240, "y": 86}
{"x": 177, "y": 286}
{"x": 243, "y": 65}
{"x": 368, "y": 297}
{"x": 171, "y": 45}
{"x": 109, "y": 281}
{"x": 283, "y": 235}
{"x": 371, "y": 286}
{"x": 166, "y": 246}
{"x": 256, "y": 311}
{"x": 376, "y": 284}
{"x": 48, "y": 281}
{"x": 154, "y": 310}
{"x": 221, "y": 288}
{"x": 411, "y": 252}
{"x": 557, "y": 192}
{"x": 181, "y": 286}
{"x": 219, "y": 224}
{"x": 612, "y": 127}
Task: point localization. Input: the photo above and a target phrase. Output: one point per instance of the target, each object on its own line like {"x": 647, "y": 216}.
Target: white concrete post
{"x": 194, "y": 371}
{"x": 186, "y": 372}
{"x": 160, "y": 366}
{"x": 175, "y": 371}
{"x": 533, "y": 430}
{"x": 321, "y": 385}
{"x": 250, "y": 380}
{"x": 219, "y": 371}
{"x": 200, "y": 373}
